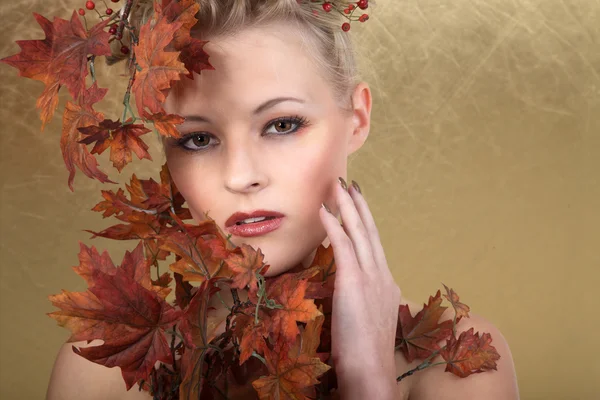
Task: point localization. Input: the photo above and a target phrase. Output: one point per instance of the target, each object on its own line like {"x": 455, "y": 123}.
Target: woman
{"x": 271, "y": 128}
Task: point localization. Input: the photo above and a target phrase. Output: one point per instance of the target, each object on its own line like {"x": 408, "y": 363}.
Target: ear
{"x": 361, "y": 117}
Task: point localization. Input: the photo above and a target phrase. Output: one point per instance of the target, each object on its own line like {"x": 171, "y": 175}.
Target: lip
{"x": 239, "y": 216}
{"x": 255, "y": 228}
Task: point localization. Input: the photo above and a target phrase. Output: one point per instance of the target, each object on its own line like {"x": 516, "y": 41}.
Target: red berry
{"x": 81, "y": 11}
{"x": 124, "y": 49}
{"x": 109, "y": 11}
{"x": 327, "y": 7}
{"x": 363, "y": 17}
{"x": 347, "y": 11}
{"x": 345, "y": 26}
{"x": 112, "y": 30}
{"x": 351, "y": 7}
{"x": 90, "y": 5}
{"x": 115, "y": 1}
{"x": 363, "y": 4}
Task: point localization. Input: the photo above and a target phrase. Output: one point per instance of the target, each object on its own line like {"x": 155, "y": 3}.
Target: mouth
{"x": 254, "y": 224}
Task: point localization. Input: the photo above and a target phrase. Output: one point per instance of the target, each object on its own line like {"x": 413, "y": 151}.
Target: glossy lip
{"x": 255, "y": 228}
{"x": 240, "y": 216}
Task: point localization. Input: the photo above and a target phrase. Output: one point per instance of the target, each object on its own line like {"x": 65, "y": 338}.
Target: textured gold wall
{"x": 481, "y": 170}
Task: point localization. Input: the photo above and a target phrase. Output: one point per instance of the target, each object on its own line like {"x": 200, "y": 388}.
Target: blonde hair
{"x": 334, "y": 52}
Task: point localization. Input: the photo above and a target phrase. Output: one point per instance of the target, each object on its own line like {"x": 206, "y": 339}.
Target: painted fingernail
{"x": 327, "y": 208}
{"x": 355, "y": 185}
{"x": 343, "y": 183}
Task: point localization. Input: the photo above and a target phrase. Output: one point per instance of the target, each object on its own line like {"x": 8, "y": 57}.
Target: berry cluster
{"x": 348, "y": 12}
{"x": 113, "y": 28}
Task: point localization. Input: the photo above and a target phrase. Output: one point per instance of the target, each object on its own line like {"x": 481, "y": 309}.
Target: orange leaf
{"x": 158, "y": 67}
{"x": 165, "y": 123}
{"x": 418, "y": 336}
{"x": 470, "y": 354}
{"x": 461, "y": 309}
{"x": 122, "y": 139}
{"x": 289, "y": 293}
{"x": 246, "y": 266}
{"x": 75, "y": 153}
{"x": 61, "y": 58}
{"x": 290, "y": 378}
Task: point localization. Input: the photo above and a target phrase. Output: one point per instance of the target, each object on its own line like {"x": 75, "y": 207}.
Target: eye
{"x": 284, "y": 125}
{"x": 200, "y": 140}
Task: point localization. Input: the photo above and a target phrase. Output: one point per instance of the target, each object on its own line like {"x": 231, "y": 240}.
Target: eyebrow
{"x": 264, "y": 106}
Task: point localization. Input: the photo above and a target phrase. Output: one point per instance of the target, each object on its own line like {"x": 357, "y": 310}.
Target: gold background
{"x": 481, "y": 171}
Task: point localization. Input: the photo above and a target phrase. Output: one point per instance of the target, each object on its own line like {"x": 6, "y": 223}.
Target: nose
{"x": 243, "y": 168}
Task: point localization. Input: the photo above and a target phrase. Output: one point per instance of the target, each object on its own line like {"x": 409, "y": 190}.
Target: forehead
{"x": 252, "y": 65}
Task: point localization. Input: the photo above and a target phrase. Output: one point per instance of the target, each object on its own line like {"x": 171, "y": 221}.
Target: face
{"x": 263, "y": 131}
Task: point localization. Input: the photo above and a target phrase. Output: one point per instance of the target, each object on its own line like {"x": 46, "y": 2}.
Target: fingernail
{"x": 327, "y": 208}
{"x": 343, "y": 183}
{"x": 355, "y": 185}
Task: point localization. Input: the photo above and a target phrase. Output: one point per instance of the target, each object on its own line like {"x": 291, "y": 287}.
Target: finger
{"x": 369, "y": 222}
{"x": 355, "y": 229}
{"x": 343, "y": 249}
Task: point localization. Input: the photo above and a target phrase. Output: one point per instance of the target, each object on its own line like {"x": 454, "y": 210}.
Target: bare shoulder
{"x": 74, "y": 377}
{"x": 435, "y": 383}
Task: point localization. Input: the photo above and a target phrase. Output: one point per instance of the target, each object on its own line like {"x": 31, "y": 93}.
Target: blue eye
{"x": 282, "y": 127}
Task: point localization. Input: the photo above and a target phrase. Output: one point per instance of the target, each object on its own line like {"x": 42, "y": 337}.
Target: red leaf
{"x": 120, "y": 310}
{"x": 418, "y": 336}
{"x": 470, "y": 354}
{"x": 75, "y": 153}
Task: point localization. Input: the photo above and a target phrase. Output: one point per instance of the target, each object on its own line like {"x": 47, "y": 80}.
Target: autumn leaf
{"x": 59, "y": 59}
{"x": 193, "y": 56}
{"x": 128, "y": 317}
{"x": 250, "y": 335}
{"x": 461, "y": 309}
{"x": 165, "y": 123}
{"x": 469, "y": 354}
{"x": 291, "y": 376}
{"x": 199, "y": 326}
{"x": 289, "y": 294}
{"x": 158, "y": 67}
{"x": 418, "y": 336}
{"x": 246, "y": 266}
{"x": 121, "y": 138}
{"x": 202, "y": 250}
{"x": 78, "y": 115}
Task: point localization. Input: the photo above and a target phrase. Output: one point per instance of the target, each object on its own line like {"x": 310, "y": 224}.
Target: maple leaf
{"x": 469, "y": 354}
{"x": 165, "y": 123}
{"x": 121, "y": 138}
{"x": 183, "y": 291}
{"x": 158, "y": 67}
{"x": 128, "y": 317}
{"x": 202, "y": 250}
{"x": 418, "y": 336}
{"x": 74, "y": 153}
{"x": 289, "y": 294}
{"x": 199, "y": 326}
{"x": 134, "y": 264}
{"x": 461, "y": 309}
{"x": 60, "y": 58}
{"x": 250, "y": 335}
{"x": 291, "y": 376}
{"x": 193, "y": 56}
{"x": 246, "y": 266}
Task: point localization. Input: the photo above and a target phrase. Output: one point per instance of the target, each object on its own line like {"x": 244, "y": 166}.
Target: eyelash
{"x": 301, "y": 123}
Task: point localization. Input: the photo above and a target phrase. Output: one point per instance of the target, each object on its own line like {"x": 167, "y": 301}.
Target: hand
{"x": 365, "y": 301}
